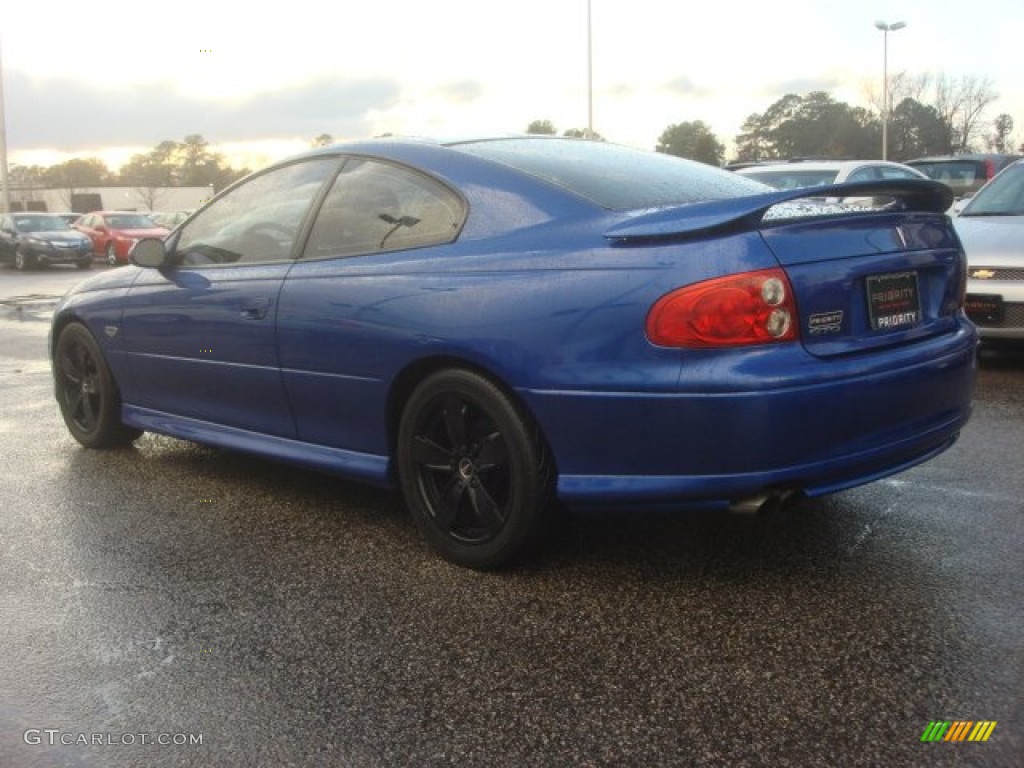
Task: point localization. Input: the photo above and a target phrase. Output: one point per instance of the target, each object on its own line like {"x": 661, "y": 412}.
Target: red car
{"x": 113, "y": 233}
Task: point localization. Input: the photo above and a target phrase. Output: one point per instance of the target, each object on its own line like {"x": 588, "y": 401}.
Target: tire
{"x": 87, "y": 393}
{"x": 111, "y": 255}
{"x": 474, "y": 470}
{"x": 23, "y": 262}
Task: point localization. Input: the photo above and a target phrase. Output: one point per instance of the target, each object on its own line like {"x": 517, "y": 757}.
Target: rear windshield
{"x": 613, "y": 176}
{"x": 957, "y": 171}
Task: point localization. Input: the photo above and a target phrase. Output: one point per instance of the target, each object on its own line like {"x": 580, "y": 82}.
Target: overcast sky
{"x": 259, "y": 81}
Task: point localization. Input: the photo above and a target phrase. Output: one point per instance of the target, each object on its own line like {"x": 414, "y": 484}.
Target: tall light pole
{"x": 5, "y": 199}
{"x": 886, "y": 29}
{"x": 590, "y": 74}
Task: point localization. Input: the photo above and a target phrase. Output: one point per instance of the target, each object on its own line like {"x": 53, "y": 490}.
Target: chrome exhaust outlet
{"x": 765, "y": 502}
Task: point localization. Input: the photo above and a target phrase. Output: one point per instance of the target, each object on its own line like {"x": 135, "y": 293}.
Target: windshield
{"x": 613, "y": 176}
{"x": 130, "y": 221}
{"x": 41, "y": 224}
{"x": 1003, "y": 196}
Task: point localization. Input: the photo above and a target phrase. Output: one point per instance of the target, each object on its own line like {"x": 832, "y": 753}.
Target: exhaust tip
{"x": 766, "y": 502}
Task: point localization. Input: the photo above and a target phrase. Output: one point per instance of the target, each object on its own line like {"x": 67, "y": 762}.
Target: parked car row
{"x": 39, "y": 239}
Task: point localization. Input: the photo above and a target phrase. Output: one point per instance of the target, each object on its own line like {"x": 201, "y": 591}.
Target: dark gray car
{"x": 38, "y": 239}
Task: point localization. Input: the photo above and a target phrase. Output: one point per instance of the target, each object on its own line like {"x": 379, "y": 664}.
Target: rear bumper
{"x": 708, "y": 450}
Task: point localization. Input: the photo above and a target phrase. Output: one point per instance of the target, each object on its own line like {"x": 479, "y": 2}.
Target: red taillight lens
{"x": 749, "y": 308}
{"x": 990, "y": 170}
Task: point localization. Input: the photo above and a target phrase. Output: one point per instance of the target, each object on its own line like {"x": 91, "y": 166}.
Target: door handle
{"x": 256, "y": 311}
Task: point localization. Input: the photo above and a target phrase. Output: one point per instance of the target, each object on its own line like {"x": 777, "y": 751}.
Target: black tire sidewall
{"x": 109, "y": 431}
{"x": 529, "y": 466}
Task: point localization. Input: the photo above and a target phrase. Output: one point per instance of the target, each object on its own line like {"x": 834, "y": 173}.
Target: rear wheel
{"x": 473, "y": 469}
{"x": 86, "y": 391}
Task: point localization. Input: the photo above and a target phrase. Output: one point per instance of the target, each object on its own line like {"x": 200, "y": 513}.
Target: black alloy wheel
{"x": 473, "y": 469}
{"x": 86, "y": 392}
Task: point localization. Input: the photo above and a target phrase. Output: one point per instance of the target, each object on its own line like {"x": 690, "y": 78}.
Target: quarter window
{"x": 375, "y": 206}
{"x": 257, "y": 221}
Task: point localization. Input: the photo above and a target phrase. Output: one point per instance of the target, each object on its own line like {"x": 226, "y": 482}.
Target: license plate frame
{"x": 894, "y": 301}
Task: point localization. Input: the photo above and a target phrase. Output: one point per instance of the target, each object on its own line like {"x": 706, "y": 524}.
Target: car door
{"x": 199, "y": 334}
{"x": 373, "y": 237}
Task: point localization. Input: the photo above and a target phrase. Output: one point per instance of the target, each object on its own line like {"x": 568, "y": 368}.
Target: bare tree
{"x": 149, "y": 196}
{"x": 961, "y": 105}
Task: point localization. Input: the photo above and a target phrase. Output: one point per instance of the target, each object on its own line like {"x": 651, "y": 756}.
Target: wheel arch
{"x": 408, "y": 379}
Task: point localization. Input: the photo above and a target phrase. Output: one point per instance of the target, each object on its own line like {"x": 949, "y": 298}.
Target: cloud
{"x": 684, "y": 86}
{"x": 803, "y": 85}
{"x": 71, "y": 115}
{"x": 462, "y": 92}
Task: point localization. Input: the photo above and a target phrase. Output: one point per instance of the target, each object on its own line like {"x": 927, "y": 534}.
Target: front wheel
{"x": 111, "y": 255}
{"x": 23, "y": 261}
{"x": 474, "y": 469}
{"x": 86, "y": 391}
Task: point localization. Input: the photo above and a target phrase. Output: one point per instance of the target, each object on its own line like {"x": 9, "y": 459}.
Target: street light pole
{"x": 5, "y": 200}
{"x": 590, "y": 74}
{"x": 886, "y": 29}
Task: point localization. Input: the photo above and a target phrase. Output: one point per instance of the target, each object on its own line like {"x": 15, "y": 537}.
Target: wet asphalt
{"x": 176, "y": 605}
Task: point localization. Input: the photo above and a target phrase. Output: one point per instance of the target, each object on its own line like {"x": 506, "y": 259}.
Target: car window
{"x": 887, "y": 172}
{"x": 257, "y": 221}
{"x": 1003, "y": 196}
{"x": 610, "y": 175}
{"x": 375, "y": 206}
{"x": 863, "y": 174}
{"x": 794, "y": 179}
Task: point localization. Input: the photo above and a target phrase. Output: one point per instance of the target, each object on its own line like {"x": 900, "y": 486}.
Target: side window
{"x": 862, "y": 174}
{"x": 257, "y": 221}
{"x": 375, "y": 206}
{"x": 896, "y": 173}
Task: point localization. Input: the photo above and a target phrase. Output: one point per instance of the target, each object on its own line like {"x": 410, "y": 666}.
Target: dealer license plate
{"x": 893, "y": 301}
{"x": 985, "y": 307}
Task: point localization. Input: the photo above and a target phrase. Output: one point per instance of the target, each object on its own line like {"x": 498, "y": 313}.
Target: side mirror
{"x": 148, "y": 252}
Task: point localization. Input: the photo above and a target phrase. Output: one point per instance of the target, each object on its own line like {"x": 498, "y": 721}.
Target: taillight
{"x": 749, "y": 308}
{"x": 990, "y": 169}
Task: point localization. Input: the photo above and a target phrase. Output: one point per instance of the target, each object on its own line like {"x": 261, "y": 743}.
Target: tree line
{"x": 187, "y": 163}
{"x": 931, "y": 115}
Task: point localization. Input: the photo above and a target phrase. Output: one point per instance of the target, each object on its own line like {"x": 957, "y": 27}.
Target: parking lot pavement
{"x": 181, "y": 594}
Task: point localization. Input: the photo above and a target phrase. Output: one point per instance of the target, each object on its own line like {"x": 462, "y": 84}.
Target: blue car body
{"x": 547, "y": 294}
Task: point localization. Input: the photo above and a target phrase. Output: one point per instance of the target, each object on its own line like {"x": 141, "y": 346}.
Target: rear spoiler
{"x": 748, "y": 212}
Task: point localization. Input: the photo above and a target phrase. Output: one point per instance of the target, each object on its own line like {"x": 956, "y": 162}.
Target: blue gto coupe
{"x": 502, "y": 327}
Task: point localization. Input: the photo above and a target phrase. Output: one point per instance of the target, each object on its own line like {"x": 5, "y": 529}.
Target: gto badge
{"x": 983, "y": 274}
{"x": 110, "y": 330}
{"x": 825, "y": 322}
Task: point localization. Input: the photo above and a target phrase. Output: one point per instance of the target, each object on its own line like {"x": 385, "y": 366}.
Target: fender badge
{"x": 825, "y": 322}
{"x": 110, "y": 330}
{"x": 983, "y": 274}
